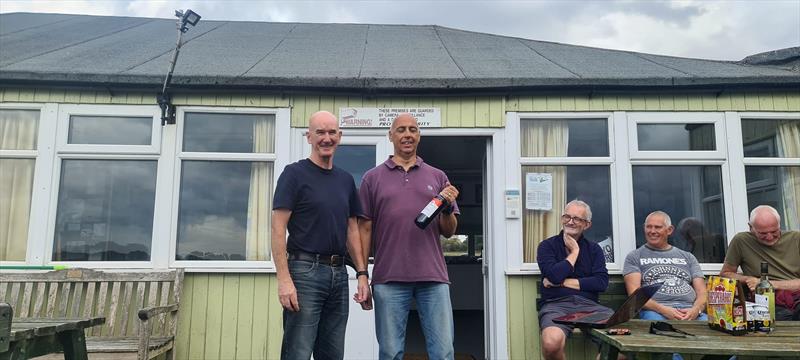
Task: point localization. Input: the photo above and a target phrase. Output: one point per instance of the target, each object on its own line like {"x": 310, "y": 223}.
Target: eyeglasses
{"x": 579, "y": 221}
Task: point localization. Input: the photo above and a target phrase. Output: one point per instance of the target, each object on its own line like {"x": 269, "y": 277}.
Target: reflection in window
{"x": 355, "y": 159}
{"x": 110, "y": 130}
{"x": 777, "y": 186}
{"x": 589, "y": 183}
{"x": 692, "y": 196}
{"x": 105, "y": 210}
{"x": 676, "y": 137}
{"x": 229, "y": 133}
{"x": 224, "y": 210}
{"x": 560, "y": 138}
{"x": 771, "y": 138}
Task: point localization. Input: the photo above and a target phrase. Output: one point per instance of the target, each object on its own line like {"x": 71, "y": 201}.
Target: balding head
{"x": 323, "y": 135}
{"x": 765, "y": 224}
{"x": 404, "y": 135}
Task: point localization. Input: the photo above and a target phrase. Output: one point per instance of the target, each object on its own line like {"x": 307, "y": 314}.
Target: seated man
{"x": 765, "y": 242}
{"x": 683, "y": 293}
{"x": 573, "y": 274}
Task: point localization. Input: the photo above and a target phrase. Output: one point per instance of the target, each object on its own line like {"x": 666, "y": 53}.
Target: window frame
{"x": 64, "y": 151}
{"x": 43, "y": 156}
{"x": 738, "y": 162}
{"x": 651, "y": 118}
{"x": 515, "y": 163}
{"x": 279, "y": 158}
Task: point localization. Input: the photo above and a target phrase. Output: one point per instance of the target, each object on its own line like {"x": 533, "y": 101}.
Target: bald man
{"x": 318, "y": 203}
{"x": 409, "y": 263}
{"x": 781, "y": 250}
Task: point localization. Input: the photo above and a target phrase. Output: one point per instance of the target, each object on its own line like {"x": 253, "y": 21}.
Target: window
{"x": 226, "y": 185}
{"x": 772, "y": 169}
{"x": 562, "y": 160}
{"x": 107, "y": 170}
{"x": 19, "y": 130}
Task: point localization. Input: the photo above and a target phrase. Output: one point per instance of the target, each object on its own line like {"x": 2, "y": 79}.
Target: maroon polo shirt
{"x": 392, "y": 198}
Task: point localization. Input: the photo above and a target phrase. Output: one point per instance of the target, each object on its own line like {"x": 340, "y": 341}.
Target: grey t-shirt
{"x": 674, "y": 268}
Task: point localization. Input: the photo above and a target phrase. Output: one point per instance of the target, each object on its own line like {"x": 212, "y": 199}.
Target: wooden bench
{"x": 141, "y": 308}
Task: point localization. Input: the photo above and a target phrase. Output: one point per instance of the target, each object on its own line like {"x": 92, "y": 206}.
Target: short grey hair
{"x": 766, "y": 208}
{"x": 667, "y": 219}
{"x": 582, "y": 204}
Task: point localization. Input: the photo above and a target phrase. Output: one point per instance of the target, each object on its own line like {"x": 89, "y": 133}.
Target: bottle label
{"x": 431, "y": 207}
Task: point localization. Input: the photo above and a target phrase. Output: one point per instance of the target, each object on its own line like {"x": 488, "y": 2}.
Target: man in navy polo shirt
{"x": 318, "y": 204}
{"x": 573, "y": 274}
{"x": 409, "y": 263}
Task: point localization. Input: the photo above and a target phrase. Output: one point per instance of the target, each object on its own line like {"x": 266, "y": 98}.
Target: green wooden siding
{"x": 762, "y": 101}
{"x": 229, "y": 316}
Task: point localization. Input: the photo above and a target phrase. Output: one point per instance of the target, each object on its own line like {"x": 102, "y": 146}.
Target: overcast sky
{"x": 712, "y": 29}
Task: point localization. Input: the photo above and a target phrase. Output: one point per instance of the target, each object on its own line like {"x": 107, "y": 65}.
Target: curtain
{"x": 260, "y": 198}
{"x": 543, "y": 138}
{"x": 18, "y": 130}
{"x": 789, "y": 146}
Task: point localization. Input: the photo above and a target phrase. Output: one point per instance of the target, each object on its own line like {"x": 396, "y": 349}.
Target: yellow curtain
{"x": 18, "y": 129}
{"x": 543, "y": 138}
{"x": 789, "y": 146}
{"x": 260, "y": 200}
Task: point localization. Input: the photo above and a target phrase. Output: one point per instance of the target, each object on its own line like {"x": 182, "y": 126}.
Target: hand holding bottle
{"x": 449, "y": 193}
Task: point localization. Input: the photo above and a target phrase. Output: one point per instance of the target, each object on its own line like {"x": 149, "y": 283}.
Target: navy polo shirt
{"x": 321, "y": 201}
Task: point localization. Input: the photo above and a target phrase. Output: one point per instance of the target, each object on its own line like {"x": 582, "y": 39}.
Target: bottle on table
{"x": 765, "y": 295}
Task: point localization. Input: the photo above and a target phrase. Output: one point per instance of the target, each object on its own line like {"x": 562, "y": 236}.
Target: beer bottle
{"x": 765, "y": 295}
{"x": 429, "y": 212}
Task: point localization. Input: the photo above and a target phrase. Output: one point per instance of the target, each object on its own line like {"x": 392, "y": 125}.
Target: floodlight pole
{"x": 164, "y": 98}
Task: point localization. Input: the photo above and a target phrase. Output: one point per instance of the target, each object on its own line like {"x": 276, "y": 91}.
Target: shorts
{"x": 564, "y": 306}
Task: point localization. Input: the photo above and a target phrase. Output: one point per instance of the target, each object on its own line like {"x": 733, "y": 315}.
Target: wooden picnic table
{"x": 784, "y": 341}
{"x": 32, "y": 337}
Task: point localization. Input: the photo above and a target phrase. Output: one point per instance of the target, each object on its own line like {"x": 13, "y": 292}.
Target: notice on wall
{"x": 352, "y": 117}
{"x": 539, "y": 191}
{"x": 513, "y": 203}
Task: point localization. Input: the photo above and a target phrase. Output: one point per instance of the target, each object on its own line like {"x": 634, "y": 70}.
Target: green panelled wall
{"x": 237, "y": 316}
{"x": 229, "y": 316}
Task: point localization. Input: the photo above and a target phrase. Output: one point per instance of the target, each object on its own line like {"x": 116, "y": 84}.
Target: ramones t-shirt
{"x": 674, "y": 268}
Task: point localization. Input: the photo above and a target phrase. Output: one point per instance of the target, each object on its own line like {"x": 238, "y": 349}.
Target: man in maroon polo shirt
{"x": 409, "y": 263}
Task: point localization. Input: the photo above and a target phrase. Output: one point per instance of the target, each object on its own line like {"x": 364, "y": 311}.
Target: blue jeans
{"x": 319, "y": 326}
{"x": 392, "y": 304}
{"x": 653, "y": 315}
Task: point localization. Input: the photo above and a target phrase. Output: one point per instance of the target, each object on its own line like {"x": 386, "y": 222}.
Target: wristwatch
{"x": 365, "y": 273}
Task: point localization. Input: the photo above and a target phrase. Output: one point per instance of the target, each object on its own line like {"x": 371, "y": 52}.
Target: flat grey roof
{"x": 135, "y": 52}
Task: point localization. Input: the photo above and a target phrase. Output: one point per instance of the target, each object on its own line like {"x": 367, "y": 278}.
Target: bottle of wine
{"x": 765, "y": 295}
{"x": 429, "y": 212}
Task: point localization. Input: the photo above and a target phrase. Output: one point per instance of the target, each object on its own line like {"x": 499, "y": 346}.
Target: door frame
{"x": 494, "y": 252}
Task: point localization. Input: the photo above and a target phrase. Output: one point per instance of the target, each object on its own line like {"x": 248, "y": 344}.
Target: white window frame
{"x": 279, "y": 159}
{"x": 651, "y": 118}
{"x": 65, "y": 151}
{"x": 68, "y": 110}
{"x": 514, "y": 163}
{"x": 40, "y": 196}
{"x": 738, "y": 162}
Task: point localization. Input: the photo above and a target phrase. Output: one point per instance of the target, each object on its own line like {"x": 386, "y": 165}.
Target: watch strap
{"x": 365, "y": 273}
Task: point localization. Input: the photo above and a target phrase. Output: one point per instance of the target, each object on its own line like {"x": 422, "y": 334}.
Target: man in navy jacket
{"x": 573, "y": 275}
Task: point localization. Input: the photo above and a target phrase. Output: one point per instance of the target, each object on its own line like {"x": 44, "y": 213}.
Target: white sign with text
{"x": 352, "y": 117}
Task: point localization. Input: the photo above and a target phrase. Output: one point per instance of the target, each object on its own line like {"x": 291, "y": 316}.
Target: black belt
{"x": 332, "y": 260}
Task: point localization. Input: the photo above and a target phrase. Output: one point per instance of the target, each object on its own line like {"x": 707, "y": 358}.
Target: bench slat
{"x": 66, "y": 289}
{"x": 24, "y": 307}
{"x": 77, "y": 296}
{"x": 14, "y": 294}
{"x": 3, "y": 291}
{"x": 101, "y": 309}
{"x": 123, "y": 315}
{"x": 163, "y": 320}
{"x": 88, "y": 305}
{"x": 138, "y": 303}
{"x": 52, "y": 293}
{"x": 80, "y": 274}
{"x": 37, "y": 309}
{"x": 112, "y": 310}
